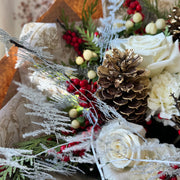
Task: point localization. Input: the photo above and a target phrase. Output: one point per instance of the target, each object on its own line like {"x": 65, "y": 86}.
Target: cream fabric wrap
{"x": 13, "y": 121}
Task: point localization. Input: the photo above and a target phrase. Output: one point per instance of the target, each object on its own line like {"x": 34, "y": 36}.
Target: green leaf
{"x": 34, "y": 144}
{"x": 95, "y": 79}
{"x": 166, "y": 31}
{"x": 79, "y": 110}
{"x": 81, "y": 119}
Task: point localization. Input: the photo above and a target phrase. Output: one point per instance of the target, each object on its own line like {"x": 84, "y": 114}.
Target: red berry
{"x": 175, "y": 166}
{"x": 93, "y": 90}
{"x": 130, "y": 11}
{"x": 65, "y": 133}
{"x": 86, "y": 122}
{"x": 89, "y": 96}
{"x": 73, "y": 131}
{"x": 179, "y": 132}
{"x": 149, "y": 122}
{"x": 64, "y": 36}
{"x": 74, "y": 39}
{"x": 79, "y": 53}
{"x": 127, "y": 2}
{"x": 136, "y": 3}
{"x": 82, "y": 90}
{"x": 70, "y": 88}
{"x": 62, "y": 148}
{"x": 81, "y": 153}
{"x": 71, "y": 144}
{"x": 85, "y": 105}
{"x": 68, "y": 42}
{"x": 138, "y": 8}
{"x": 80, "y": 41}
{"x": 173, "y": 178}
{"x": 75, "y": 81}
{"x": 69, "y": 32}
{"x": 83, "y": 83}
{"x": 96, "y": 34}
{"x": 82, "y": 98}
{"x": 76, "y": 49}
{"x": 163, "y": 176}
{"x": 73, "y": 34}
{"x": 69, "y": 38}
{"x": 88, "y": 87}
{"x": 66, "y": 158}
{"x": 76, "y": 45}
{"x": 72, "y": 44}
{"x": 132, "y": 5}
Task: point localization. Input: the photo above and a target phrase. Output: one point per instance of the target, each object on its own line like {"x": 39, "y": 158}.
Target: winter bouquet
{"x": 112, "y": 111}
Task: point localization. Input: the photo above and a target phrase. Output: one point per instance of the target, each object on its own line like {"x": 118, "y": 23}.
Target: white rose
{"x": 117, "y": 142}
{"x": 159, "y": 52}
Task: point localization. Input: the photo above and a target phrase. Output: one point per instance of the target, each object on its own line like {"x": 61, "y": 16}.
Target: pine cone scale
{"x": 124, "y": 85}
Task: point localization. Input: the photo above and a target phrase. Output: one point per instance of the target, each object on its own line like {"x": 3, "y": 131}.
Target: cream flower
{"x": 159, "y": 52}
{"x": 117, "y": 142}
{"x": 160, "y": 98}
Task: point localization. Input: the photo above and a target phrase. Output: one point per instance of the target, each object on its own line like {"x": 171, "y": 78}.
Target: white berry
{"x": 117, "y": 25}
{"x": 91, "y": 74}
{"x": 79, "y": 60}
{"x": 129, "y": 24}
{"x": 87, "y": 54}
{"x": 94, "y": 54}
{"x": 73, "y": 113}
{"x": 137, "y": 17}
{"x": 160, "y": 23}
{"x": 151, "y": 28}
{"x": 75, "y": 124}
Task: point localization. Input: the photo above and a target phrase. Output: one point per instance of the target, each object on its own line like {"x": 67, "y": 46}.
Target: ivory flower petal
{"x": 160, "y": 98}
{"x": 159, "y": 52}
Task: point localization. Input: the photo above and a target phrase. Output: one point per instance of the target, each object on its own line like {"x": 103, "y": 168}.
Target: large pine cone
{"x": 124, "y": 85}
{"x": 174, "y": 23}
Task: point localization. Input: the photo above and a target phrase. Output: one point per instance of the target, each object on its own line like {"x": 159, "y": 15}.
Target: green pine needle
{"x": 88, "y": 37}
{"x": 35, "y": 144}
{"x": 86, "y": 15}
{"x": 153, "y": 8}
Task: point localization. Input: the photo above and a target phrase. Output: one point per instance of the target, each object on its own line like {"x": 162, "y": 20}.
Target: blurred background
{"x": 15, "y": 13}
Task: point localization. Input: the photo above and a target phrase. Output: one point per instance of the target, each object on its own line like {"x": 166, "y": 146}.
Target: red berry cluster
{"x": 72, "y": 39}
{"x": 85, "y": 91}
{"x": 166, "y": 176}
{"x": 76, "y": 153}
{"x": 133, "y": 6}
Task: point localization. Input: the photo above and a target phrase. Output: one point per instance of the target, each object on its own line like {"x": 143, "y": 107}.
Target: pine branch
{"x": 88, "y": 37}
{"x": 154, "y": 9}
{"x": 35, "y": 144}
{"x": 86, "y": 15}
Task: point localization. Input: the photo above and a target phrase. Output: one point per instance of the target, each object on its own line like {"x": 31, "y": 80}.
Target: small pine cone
{"x": 124, "y": 85}
{"x": 174, "y": 23}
